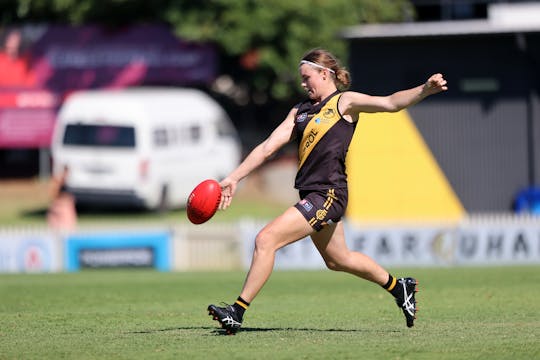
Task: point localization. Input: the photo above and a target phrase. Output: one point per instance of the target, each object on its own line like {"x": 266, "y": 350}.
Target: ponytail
{"x": 325, "y": 59}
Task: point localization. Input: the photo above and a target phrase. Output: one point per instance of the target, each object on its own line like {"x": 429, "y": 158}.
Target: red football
{"x": 203, "y": 201}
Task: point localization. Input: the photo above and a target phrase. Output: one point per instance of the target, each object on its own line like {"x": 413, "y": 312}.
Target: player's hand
{"x": 228, "y": 188}
{"x": 435, "y": 84}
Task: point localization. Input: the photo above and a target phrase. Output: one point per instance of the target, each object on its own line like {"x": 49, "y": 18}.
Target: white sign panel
{"x": 27, "y": 252}
{"x": 510, "y": 241}
{"x": 396, "y": 246}
{"x": 498, "y": 243}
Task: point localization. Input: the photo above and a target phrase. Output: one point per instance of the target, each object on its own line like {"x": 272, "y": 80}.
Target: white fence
{"x": 475, "y": 241}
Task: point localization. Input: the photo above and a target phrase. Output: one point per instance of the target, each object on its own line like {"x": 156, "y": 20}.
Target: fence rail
{"x": 481, "y": 239}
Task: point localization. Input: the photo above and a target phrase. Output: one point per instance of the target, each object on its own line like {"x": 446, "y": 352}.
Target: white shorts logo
{"x": 306, "y": 205}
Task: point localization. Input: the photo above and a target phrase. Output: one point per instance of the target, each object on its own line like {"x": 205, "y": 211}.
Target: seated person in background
{"x": 62, "y": 214}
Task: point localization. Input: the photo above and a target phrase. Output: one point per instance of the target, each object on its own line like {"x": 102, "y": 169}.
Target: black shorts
{"x": 322, "y": 207}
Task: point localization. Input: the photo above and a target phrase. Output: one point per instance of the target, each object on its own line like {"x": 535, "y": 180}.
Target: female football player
{"x": 323, "y": 126}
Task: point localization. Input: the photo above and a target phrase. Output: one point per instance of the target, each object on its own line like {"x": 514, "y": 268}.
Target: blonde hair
{"x": 326, "y": 59}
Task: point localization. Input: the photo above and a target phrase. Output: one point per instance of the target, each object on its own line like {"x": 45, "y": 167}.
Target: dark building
{"x": 433, "y": 10}
{"x": 485, "y": 131}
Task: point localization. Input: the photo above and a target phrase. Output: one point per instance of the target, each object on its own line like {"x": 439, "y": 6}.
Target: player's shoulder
{"x": 350, "y": 99}
{"x": 351, "y": 95}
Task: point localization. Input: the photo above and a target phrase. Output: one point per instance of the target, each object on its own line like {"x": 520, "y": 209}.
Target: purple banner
{"x": 93, "y": 57}
{"x": 61, "y": 59}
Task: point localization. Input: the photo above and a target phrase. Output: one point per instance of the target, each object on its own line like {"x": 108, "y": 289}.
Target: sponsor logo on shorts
{"x": 306, "y": 205}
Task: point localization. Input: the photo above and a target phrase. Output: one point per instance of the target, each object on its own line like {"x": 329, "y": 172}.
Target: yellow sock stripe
{"x": 241, "y": 304}
{"x": 312, "y": 221}
{"x": 392, "y": 285}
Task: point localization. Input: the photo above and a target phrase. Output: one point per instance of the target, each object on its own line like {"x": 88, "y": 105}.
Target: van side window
{"x": 99, "y": 136}
{"x": 195, "y": 133}
{"x": 225, "y": 129}
{"x": 160, "y": 137}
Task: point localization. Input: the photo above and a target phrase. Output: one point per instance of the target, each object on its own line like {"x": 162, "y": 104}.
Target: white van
{"x": 146, "y": 147}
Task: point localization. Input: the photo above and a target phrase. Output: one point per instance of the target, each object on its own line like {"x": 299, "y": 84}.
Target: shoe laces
{"x": 407, "y": 304}
{"x": 227, "y": 306}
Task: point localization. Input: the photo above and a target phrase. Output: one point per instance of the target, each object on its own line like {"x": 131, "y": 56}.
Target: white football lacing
{"x": 407, "y": 304}
{"x": 229, "y": 321}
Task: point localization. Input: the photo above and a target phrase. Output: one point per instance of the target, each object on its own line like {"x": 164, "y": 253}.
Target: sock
{"x": 391, "y": 287}
{"x": 240, "y": 306}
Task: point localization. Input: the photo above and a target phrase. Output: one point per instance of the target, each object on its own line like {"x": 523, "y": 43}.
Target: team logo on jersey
{"x": 306, "y": 205}
{"x": 301, "y": 117}
{"x": 329, "y": 113}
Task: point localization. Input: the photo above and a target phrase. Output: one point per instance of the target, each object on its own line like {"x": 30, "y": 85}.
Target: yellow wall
{"x": 393, "y": 176}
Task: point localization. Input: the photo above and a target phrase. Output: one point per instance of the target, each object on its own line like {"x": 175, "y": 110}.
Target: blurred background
{"x": 99, "y": 141}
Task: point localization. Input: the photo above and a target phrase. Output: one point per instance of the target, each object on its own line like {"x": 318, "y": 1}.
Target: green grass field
{"x": 465, "y": 313}
{"x": 24, "y": 203}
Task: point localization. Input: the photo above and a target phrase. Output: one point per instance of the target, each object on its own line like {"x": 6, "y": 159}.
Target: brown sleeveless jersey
{"x": 323, "y": 140}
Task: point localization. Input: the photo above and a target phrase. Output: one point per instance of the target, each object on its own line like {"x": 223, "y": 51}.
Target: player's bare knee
{"x": 333, "y": 265}
{"x": 264, "y": 242}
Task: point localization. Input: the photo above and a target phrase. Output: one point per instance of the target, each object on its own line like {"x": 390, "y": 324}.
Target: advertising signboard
{"x": 41, "y": 65}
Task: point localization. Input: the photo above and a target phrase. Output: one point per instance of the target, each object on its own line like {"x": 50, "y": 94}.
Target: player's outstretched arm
{"x": 277, "y": 139}
{"x": 353, "y": 103}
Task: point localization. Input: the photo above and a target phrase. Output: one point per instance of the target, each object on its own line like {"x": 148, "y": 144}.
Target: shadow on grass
{"x": 218, "y": 331}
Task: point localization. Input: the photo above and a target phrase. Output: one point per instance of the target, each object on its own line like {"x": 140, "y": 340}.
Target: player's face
{"x": 311, "y": 81}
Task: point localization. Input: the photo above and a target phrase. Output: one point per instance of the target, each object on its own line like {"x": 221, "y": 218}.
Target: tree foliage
{"x": 261, "y": 41}
{"x": 278, "y": 31}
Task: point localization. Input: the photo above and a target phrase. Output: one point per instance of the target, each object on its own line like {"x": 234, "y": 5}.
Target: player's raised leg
{"x": 332, "y": 246}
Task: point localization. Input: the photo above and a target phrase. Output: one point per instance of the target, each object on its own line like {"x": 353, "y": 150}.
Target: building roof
{"x": 435, "y": 28}
{"x": 502, "y": 19}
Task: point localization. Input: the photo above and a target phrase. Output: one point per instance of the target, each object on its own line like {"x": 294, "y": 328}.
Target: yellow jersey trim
{"x": 317, "y": 127}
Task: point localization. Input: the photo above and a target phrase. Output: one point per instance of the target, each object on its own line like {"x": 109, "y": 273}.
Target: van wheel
{"x": 163, "y": 205}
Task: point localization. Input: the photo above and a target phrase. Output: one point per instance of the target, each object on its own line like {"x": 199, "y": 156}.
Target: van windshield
{"x": 99, "y": 135}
